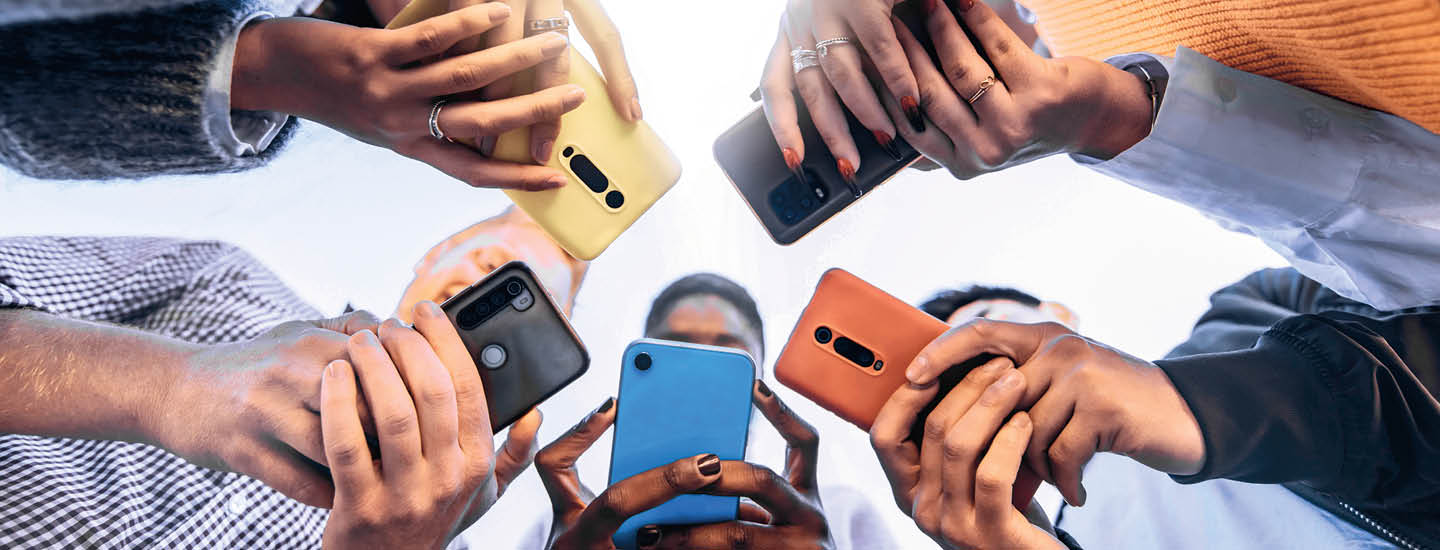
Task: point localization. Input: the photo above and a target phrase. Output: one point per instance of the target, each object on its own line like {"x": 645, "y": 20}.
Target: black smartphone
{"x": 522, "y": 343}
{"x": 788, "y": 205}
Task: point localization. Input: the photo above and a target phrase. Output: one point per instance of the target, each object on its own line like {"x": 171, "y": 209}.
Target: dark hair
{"x": 706, "y": 284}
{"x": 946, "y": 302}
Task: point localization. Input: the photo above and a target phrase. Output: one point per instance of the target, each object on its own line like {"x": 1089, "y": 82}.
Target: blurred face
{"x": 1013, "y": 311}
{"x": 709, "y": 320}
{"x": 469, "y": 255}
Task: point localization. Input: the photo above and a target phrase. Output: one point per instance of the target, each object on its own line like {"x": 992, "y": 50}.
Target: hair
{"x": 946, "y": 302}
{"x": 706, "y": 284}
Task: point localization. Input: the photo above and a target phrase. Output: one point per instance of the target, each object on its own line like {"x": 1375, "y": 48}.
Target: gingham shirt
{"x": 71, "y": 493}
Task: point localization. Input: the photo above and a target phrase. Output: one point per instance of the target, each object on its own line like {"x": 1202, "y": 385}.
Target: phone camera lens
{"x": 568, "y": 152}
{"x": 467, "y": 318}
{"x": 497, "y": 299}
{"x": 879, "y": 365}
{"x": 642, "y": 361}
{"x": 823, "y": 335}
{"x": 614, "y": 199}
{"x": 481, "y": 309}
{"x": 514, "y": 288}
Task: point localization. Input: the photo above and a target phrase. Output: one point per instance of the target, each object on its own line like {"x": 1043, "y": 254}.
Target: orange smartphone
{"x": 849, "y": 351}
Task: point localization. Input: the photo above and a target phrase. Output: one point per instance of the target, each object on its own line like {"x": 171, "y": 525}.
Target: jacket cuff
{"x": 238, "y": 133}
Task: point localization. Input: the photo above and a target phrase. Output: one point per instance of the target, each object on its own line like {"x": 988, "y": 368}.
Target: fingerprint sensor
{"x": 493, "y": 356}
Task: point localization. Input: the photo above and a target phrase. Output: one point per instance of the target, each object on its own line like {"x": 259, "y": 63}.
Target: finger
{"x": 492, "y": 118}
{"x": 476, "y": 70}
{"x": 291, "y": 474}
{"x": 843, "y": 69}
{"x": 889, "y": 436}
{"x": 932, "y": 144}
{"x": 1069, "y": 454}
{"x": 1010, "y": 56}
{"x": 935, "y": 452}
{"x": 508, "y": 31}
{"x": 773, "y": 493}
{"x": 430, "y": 389}
{"x": 300, "y": 431}
{"x": 753, "y": 514}
{"x": 883, "y": 48}
{"x": 556, "y": 462}
{"x": 969, "y": 436}
{"x": 350, "y": 323}
{"x": 801, "y": 440}
{"x": 551, "y": 73}
{"x": 602, "y": 35}
{"x": 641, "y": 492}
{"x": 1016, "y": 341}
{"x": 941, "y": 103}
{"x": 469, "y": 166}
{"x": 345, "y": 448}
{"x": 472, "y": 408}
{"x": 1048, "y": 417}
{"x": 777, "y": 93}
{"x": 825, "y": 109}
{"x": 396, "y": 424}
{"x": 964, "y": 69}
{"x": 519, "y": 449}
{"x": 435, "y": 35}
{"x": 720, "y": 536}
{"x": 995, "y": 477}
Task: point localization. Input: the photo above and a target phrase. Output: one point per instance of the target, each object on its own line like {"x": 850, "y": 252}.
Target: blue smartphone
{"x": 678, "y": 400}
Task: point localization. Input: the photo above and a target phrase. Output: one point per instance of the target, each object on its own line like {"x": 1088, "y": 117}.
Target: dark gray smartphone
{"x": 522, "y": 343}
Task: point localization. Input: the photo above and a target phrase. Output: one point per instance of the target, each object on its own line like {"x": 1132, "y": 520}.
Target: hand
{"x": 841, "y": 71}
{"x": 1036, "y": 106}
{"x": 1083, "y": 397}
{"x": 379, "y": 86}
{"x": 599, "y": 31}
{"x": 958, "y": 484}
{"x": 253, "y": 407}
{"x": 437, "y": 470}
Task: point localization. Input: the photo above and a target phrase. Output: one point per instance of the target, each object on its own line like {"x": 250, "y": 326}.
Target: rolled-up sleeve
{"x": 1347, "y": 194}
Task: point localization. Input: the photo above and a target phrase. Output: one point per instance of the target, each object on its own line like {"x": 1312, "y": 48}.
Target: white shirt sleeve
{"x": 240, "y": 133}
{"x": 1350, "y": 196}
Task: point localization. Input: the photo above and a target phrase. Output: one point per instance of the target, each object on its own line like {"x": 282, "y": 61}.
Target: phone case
{"x": 629, "y": 156}
{"x": 524, "y": 347}
{"x": 892, "y": 331}
{"x": 692, "y": 399}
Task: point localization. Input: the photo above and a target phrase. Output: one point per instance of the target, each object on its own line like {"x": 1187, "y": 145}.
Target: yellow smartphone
{"x": 616, "y": 169}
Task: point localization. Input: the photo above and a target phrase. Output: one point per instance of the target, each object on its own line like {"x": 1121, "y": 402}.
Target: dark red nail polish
{"x": 709, "y": 465}
{"x": 887, "y": 143}
{"x": 764, "y": 390}
{"x": 605, "y": 407}
{"x": 847, "y": 172}
{"x": 648, "y": 536}
{"x": 912, "y": 113}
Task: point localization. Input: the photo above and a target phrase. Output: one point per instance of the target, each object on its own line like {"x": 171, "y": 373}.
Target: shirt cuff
{"x": 240, "y": 133}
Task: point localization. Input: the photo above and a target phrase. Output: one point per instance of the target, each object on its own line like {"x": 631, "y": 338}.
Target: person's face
{"x": 707, "y": 319}
{"x": 1013, "y": 311}
{"x": 468, "y": 256}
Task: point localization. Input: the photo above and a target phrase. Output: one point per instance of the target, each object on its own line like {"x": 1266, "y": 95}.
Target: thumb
{"x": 350, "y": 323}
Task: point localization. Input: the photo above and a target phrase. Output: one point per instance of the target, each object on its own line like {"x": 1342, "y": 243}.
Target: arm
{"x": 1340, "y": 190}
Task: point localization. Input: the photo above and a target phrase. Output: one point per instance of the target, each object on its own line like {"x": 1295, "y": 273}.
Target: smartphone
{"x": 849, "y": 351}
{"x": 522, "y": 344}
{"x": 616, "y": 169}
{"x": 679, "y": 400}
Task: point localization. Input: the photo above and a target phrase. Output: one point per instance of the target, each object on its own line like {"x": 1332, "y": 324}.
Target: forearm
{"x": 67, "y": 378}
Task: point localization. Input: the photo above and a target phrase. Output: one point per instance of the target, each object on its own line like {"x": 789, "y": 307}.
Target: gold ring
{"x": 984, "y": 87}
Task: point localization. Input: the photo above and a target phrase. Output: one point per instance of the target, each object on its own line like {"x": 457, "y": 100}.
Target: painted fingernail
{"x": 635, "y": 112}
{"x": 605, "y": 407}
{"x": 709, "y": 465}
{"x": 912, "y": 113}
{"x": 887, "y": 143}
{"x": 648, "y": 536}
{"x": 764, "y": 390}
{"x": 542, "y": 151}
{"x": 847, "y": 172}
{"x": 792, "y": 160}
{"x": 965, "y": 5}
{"x": 429, "y": 309}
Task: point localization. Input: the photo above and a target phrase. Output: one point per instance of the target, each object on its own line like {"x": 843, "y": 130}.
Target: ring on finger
{"x": 435, "y": 131}
{"x": 985, "y": 86}
{"x": 541, "y": 26}
{"x": 823, "y": 46}
{"x": 801, "y": 59}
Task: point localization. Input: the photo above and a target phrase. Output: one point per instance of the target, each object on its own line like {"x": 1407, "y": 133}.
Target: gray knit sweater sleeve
{"x": 119, "y": 95}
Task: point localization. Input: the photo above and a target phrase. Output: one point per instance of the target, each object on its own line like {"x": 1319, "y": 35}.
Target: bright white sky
{"x": 345, "y": 222}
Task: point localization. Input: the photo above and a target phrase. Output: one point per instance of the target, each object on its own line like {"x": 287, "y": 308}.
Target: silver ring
{"x": 539, "y": 26}
{"x": 435, "y": 121}
{"x": 823, "y": 46}
{"x": 801, "y": 59}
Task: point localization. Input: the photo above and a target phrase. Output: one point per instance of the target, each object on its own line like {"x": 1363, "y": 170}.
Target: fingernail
{"x": 995, "y": 365}
{"x": 912, "y": 113}
{"x": 1008, "y": 380}
{"x": 368, "y": 338}
{"x": 502, "y": 13}
{"x": 429, "y": 309}
{"x": 709, "y": 465}
{"x": 847, "y": 172}
{"x": 930, "y": 6}
{"x": 330, "y": 370}
{"x": 635, "y": 112}
{"x": 764, "y": 390}
{"x": 542, "y": 151}
{"x": 792, "y": 160}
{"x": 648, "y": 536}
{"x": 965, "y": 5}
{"x": 554, "y": 42}
{"x": 1082, "y": 496}
{"x": 887, "y": 143}
{"x": 916, "y": 367}
{"x": 575, "y": 95}
{"x": 554, "y": 183}
{"x": 1020, "y": 420}
{"x": 605, "y": 407}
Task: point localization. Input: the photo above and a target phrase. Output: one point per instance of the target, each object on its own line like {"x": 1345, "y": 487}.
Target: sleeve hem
{"x": 237, "y": 133}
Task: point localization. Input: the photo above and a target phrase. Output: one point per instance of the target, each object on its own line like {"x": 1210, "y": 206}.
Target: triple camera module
{"x": 849, "y": 349}
{"x": 593, "y": 178}
{"x": 512, "y": 292}
{"x": 794, "y": 199}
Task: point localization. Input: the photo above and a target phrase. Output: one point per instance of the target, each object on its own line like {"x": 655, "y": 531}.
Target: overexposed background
{"x": 342, "y": 222}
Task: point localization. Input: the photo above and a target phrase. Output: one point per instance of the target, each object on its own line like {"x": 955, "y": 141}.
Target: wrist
{"x": 167, "y": 410}
{"x": 251, "y": 78}
{"x": 1126, "y": 115}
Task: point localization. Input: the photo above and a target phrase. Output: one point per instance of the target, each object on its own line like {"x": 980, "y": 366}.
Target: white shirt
{"x": 1349, "y": 195}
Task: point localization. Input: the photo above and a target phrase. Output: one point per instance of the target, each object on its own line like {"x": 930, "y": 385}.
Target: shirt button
{"x": 238, "y": 504}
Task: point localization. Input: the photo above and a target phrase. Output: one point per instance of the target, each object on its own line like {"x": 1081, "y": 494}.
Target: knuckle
{"x": 738, "y": 536}
{"x": 958, "y": 448}
{"x": 1060, "y": 454}
{"x": 345, "y": 453}
{"x": 673, "y": 477}
{"x": 991, "y": 155}
{"x": 811, "y": 93}
{"x": 935, "y": 428}
{"x": 990, "y": 481}
{"x": 1001, "y": 47}
{"x": 609, "y": 505}
{"x": 467, "y": 77}
{"x": 397, "y": 424}
{"x": 428, "y": 39}
{"x": 437, "y": 396}
{"x": 448, "y": 486}
{"x": 957, "y": 74}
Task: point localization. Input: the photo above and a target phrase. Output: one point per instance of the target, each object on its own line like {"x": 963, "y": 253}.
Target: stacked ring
{"x": 823, "y": 46}
{"x": 801, "y": 59}
{"x": 435, "y": 121}
{"x": 540, "y": 26}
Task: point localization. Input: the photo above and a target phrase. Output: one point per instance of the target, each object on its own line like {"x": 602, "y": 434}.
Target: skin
{"x": 709, "y": 320}
{"x": 379, "y": 86}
